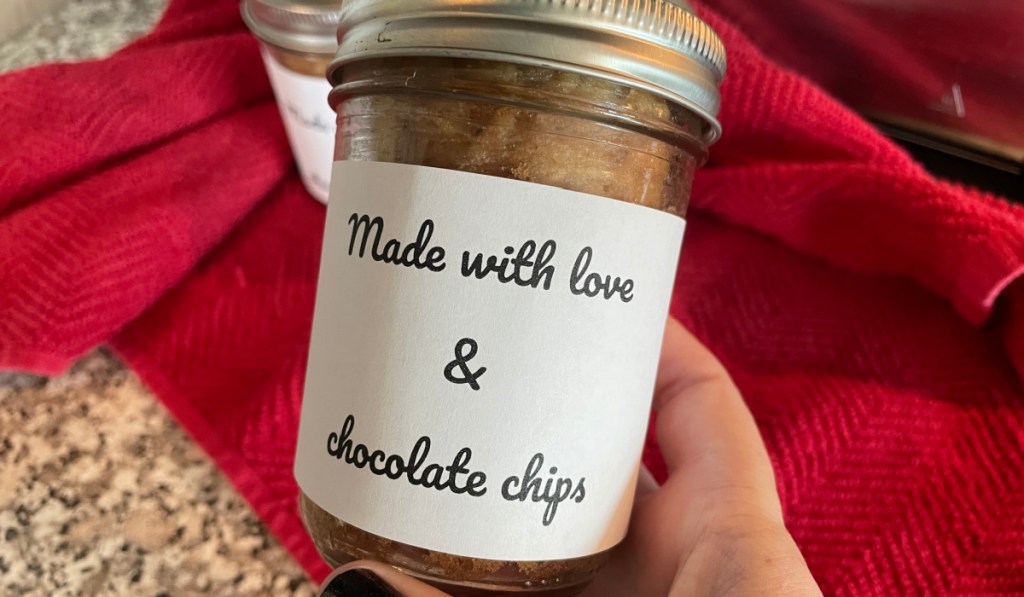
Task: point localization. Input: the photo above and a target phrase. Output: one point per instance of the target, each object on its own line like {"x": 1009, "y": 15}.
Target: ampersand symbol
{"x": 465, "y": 350}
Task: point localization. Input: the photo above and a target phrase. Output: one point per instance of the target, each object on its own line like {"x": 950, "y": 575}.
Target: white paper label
{"x": 308, "y": 121}
{"x": 481, "y": 369}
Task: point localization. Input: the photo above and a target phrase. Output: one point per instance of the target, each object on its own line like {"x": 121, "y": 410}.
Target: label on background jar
{"x": 308, "y": 121}
{"x": 482, "y": 361}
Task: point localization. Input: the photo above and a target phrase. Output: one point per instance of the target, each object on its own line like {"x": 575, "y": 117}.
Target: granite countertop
{"x": 101, "y": 492}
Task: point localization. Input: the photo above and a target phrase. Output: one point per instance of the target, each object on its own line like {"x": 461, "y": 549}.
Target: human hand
{"x": 714, "y": 528}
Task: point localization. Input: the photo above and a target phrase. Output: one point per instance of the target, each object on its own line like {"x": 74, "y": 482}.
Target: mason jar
{"x": 298, "y": 41}
{"x": 508, "y": 201}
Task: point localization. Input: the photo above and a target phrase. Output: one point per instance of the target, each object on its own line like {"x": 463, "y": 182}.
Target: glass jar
{"x": 298, "y": 41}
{"x": 565, "y": 130}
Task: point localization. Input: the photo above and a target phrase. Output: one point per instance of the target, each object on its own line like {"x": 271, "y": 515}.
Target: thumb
{"x": 374, "y": 579}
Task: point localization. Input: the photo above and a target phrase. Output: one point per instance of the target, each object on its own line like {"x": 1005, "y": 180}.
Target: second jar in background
{"x": 298, "y": 41}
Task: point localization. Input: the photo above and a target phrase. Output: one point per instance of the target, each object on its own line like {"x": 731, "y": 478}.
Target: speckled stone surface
{"x": 101, "y": 492}
{"x": 78, "y": 30}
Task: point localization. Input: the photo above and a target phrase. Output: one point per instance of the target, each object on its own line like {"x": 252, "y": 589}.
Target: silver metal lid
{"x": 656, "y": 45}
{"x": 299, "y": 25}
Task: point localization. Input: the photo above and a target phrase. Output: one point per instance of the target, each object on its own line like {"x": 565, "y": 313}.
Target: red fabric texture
{"x": 148, "y": 200}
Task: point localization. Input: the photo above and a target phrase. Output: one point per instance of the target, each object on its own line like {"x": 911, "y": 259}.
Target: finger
{"x": 708, "y": 437}
{"x": 374, "y": 579}
{"x": 755, "y": 561}
{"x": 717, "y": 520}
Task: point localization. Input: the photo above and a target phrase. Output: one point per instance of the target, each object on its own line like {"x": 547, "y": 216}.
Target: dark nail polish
{"x": 358, "y": 583}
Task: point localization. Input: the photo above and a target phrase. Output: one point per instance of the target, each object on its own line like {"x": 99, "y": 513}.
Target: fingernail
{"x": 358, "y": 583}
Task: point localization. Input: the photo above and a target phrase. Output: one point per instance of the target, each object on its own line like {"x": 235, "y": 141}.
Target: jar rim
{"x": 299, "y": 25}
{"x": 667, "y": 129}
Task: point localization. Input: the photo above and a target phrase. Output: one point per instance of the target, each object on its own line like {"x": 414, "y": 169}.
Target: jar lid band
{"x": 656, "y": 45}
{"x": 303, "y": 26}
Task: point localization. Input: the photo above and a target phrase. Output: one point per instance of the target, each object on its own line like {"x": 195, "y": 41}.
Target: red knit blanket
{"x": 149, "y": 200}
